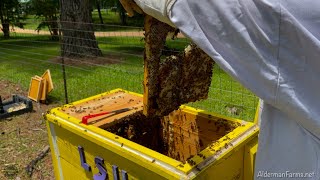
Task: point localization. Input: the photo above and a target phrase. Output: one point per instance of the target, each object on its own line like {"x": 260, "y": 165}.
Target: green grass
{"x": 111, "y": 22}
{"x": 23, "y": 57}
{"x": 114, "y": 18}
{"x": 32, "y": 22}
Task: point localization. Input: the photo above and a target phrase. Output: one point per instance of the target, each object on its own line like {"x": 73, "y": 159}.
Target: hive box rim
{"x": 248, "y": 128}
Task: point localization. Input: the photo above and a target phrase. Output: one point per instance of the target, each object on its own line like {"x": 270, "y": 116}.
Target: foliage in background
{"x": 10, "y": 14}
{"x": 110, "y": 8}
{"x": 47, "y": 11}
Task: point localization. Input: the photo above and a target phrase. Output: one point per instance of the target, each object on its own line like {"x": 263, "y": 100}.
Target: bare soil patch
{"x": 22, "y": 138}
{"x": 90, "y": 61}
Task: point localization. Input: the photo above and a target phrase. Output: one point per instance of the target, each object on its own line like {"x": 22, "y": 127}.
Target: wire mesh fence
{"x": 111, "y": 57}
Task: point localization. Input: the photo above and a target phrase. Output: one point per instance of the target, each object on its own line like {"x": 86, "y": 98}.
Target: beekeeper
{"x": 272, "y": 47}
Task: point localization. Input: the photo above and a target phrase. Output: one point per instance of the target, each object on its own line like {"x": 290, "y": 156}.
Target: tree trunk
{"x": 6, "y": 30}
{"x": 122, "y": 14}
{"x": 123, "y": 18}
{"x": 77, "y": 29}
{"x": 52, "y": 23}
{"x": 5, "y": 25}
{"x": 99, "y": 11}
{"x": 55, "y": 30}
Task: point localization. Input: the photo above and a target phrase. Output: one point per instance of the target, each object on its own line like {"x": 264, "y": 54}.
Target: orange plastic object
{"x": 85, "y": 118}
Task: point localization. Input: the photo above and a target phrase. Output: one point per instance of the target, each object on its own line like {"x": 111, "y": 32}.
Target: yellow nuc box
{"x": 108, "y": 137}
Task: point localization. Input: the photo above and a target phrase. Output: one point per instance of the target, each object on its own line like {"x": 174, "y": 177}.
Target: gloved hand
{"x": 159, "y": 9}
{"x": 130, "y": 6}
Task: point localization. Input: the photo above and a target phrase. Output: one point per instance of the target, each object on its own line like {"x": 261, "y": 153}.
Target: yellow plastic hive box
{"x": 199, "y": 147}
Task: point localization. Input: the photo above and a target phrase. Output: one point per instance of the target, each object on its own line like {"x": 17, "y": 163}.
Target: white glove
{"x": 159, "y": 9}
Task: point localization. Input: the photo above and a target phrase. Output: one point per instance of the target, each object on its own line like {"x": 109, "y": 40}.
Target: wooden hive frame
{"x": 176, "y": 80}
{"x": 35, "y": 89}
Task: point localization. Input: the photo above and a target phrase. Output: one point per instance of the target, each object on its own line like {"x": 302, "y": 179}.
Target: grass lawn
{"x": 25, "y": 56}
{"x": 111, "y": 22}
{"x": 110, "y": 17}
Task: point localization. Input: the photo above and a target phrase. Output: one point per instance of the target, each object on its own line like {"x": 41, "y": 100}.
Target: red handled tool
{"x": 85, "y": 118}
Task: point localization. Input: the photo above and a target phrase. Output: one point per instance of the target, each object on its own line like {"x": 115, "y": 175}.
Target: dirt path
{"x": 97, "y": 34}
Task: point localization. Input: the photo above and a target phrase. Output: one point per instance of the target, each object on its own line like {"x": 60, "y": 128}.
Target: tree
{"x": 48, "y": 10}
{"x": 9, "y": 14}
{"x": 99, "y": 10}
{"x": 122, "y": 14}
{"x": 77, "y": 29}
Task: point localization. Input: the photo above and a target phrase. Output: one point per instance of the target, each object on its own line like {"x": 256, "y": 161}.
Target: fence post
{"x": 63, "y": 66}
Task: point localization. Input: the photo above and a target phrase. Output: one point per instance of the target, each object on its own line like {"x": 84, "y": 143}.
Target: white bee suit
{"x": 273, "y": 48}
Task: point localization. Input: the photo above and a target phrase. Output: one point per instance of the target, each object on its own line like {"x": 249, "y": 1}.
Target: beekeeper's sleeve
{"x": 273, "y": 48}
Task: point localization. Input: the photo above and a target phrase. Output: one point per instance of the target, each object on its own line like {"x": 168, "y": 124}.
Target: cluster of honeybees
{"x": 175, "y": 80}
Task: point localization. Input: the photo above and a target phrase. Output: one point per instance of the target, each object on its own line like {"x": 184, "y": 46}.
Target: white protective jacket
{"x": 273, "y": 48}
